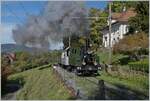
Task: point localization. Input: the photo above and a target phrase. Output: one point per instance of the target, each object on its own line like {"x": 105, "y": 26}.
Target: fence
{"x": 70, "y": 82}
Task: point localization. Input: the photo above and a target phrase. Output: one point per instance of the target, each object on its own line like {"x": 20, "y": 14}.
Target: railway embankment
{"x": 93, "y": 88}
{"x": 83, "y": 87}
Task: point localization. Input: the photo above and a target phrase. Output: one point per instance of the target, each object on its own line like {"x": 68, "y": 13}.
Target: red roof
{"x": 124, "y": 16}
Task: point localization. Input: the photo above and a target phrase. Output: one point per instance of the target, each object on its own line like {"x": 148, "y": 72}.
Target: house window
{"x": 114, "y": 40}
{"x": 118, "y": 38}
{"x": 105, "y": 38}
{"x": 75, "y": 51}
{"x": 126, "y": 29}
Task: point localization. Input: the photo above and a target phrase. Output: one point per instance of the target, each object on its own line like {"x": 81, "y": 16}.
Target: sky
{"x": 17, "y": 12}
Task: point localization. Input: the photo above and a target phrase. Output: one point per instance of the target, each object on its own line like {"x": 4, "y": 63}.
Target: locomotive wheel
{"x": 76, "y": 72}
{"x": 69, "y": 68}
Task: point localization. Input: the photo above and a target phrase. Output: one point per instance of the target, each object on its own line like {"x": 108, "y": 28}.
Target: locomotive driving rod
{"x": 67, "y": 48}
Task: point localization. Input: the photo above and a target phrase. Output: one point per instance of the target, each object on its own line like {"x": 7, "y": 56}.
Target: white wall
{"x": 118, "y": 31}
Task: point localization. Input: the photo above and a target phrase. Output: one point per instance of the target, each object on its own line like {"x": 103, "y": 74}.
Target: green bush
{"x": 25, "y": 61}
{"x": 140, "y": 65}
{"x": 143, "y": 51}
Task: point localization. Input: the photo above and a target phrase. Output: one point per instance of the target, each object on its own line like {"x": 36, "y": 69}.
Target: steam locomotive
{"x": 81, "y": 60}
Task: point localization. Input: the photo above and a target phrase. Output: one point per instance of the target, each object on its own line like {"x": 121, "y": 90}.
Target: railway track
{"x": 89, "y": 88}
{"x": 84, "y": 87}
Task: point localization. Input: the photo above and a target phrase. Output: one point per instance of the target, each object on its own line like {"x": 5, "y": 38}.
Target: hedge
{"x": 140, "y": 65}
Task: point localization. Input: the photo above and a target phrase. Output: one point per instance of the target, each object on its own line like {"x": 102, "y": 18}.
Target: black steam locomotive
{"x": 81, "y": 60}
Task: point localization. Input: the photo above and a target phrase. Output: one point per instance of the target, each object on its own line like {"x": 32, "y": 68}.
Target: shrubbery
{"x": 140, "y": 65}
{"x": 131, "y": 43}
{"x": 6, "y": 70}
{"x": 25, "y": 60}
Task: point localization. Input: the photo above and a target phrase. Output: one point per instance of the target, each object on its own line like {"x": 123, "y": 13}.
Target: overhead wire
{"x": 23, "y": 8}
{"x": 18, "y": 18}
{"x": 27, "y": 14}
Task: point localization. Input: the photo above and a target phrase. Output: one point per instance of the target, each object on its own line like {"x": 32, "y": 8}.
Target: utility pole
{"x": 110, "y": 51}
{"x": 69, "y": 39}
{"x": 109, "y": 19}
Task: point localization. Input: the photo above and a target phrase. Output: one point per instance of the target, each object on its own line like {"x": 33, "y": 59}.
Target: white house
{"x": 119, "y": 27}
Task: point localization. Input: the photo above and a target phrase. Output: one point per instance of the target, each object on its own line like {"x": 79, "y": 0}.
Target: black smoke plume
{"x": 59, "y": 19}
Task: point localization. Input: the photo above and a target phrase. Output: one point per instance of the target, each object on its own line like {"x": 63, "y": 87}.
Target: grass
{"x": 136, "y": 83}
{"x": 105, "y": 55}
{"x": 142, "y": 65}
{"x": 88, "y": 87}
{"x": 40, "y": 83}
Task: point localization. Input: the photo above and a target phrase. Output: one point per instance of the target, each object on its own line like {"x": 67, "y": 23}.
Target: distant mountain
{"x": 15, "y": 48}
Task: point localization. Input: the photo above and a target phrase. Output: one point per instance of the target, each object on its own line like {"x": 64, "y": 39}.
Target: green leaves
{"x": 27, "y": 61}
{"x": 96, "y": 25}
{"x": 117, "y": 6}
{"x": 141, "y": 21}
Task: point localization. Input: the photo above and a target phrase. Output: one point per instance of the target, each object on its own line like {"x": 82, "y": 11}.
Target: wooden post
{"x": 101, "y": 89}
{"x": 69, "y": 40}
{"x": 78, "y": 93}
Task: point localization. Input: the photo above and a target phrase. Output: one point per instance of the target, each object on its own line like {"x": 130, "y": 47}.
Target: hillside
{"x": 41, "y": 84}
{"x": 14, "y": 48}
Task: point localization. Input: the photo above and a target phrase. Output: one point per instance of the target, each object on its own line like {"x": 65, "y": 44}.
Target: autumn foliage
{"x": 6, "y": 70}
{"x": 131, "y": 43}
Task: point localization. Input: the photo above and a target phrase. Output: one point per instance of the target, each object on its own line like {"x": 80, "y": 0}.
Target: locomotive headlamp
{"x": 83, "y": 63}
{"x": 99, "y": 68}
{"x": 95, "y": 63}
{"x": 78, "y": 67}
{"x": 90, "y": 68}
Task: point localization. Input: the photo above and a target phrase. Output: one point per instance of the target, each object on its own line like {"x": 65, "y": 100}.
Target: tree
{"x": 96, "y": 25}
{"x": 117, "y": 6}
{"x": 141, "y": 21}
{"x": 76, "y": 41}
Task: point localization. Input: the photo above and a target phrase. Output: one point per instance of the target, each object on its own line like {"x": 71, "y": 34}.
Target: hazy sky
{"x": 16, "y": 12}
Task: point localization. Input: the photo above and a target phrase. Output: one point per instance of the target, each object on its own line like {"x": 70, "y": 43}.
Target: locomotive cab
{"x": 65, "y": 58}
